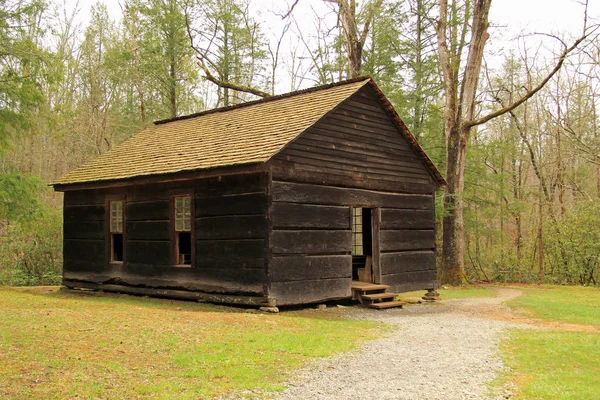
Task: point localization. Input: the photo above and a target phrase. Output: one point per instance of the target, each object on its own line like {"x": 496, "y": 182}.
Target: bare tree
{"x": 355, "y": 37}
{"x": 463, "y": 29}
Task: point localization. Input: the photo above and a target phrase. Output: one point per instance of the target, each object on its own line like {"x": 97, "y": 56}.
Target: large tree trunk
{"x": 354, "y": 41}
{"x": 459, "y": 113}
{"x": 453, "y": 228}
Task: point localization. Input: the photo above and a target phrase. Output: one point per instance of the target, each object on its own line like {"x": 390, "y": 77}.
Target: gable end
{"x": 359, "y": 141}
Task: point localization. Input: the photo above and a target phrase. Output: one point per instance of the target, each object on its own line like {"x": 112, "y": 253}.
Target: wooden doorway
{"x": 365, "y": 244}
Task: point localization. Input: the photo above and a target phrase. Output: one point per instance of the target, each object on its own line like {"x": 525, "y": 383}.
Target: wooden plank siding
{"x": 230, "y": 231}
{"x": 358, "y": 141}
{"x": 311, "y": 240}
{"x": 353, "y": 157}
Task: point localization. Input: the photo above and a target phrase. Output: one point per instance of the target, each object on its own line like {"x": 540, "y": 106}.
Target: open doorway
{"x": 362, "y": 244}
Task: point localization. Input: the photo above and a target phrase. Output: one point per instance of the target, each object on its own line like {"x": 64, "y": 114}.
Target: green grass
{"x": 462, "y": 292}
{"x": 66, "y": 345}
{"x": 571, "y": 304}
{"x": 556, "y": 364}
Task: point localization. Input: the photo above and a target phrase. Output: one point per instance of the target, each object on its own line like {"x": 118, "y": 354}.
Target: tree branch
{"x": 287, "y": 14}
{"x": 536, "y": 89}
{"x": 201, "y": 56}
{"x": 229, "y": 85}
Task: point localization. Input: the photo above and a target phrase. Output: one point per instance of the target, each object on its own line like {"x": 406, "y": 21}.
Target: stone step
{"x": 386, "y": 304}
{"x": 379, "y": 296}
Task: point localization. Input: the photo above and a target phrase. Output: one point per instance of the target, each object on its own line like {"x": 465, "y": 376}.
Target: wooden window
{"x": 117, "y": 242}
{"x": 182, "y": 223}
{"x": 357, "y": 231}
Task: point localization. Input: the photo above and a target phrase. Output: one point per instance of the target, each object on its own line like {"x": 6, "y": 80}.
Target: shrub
{"x": 30, "y": 234}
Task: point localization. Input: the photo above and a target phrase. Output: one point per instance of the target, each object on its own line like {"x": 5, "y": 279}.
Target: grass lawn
{"x": 56, "y": 344}
{"x": 464, "y": 292}
{"x": 447, "y": 293}
{"x": 556, "y": 364}
{"x": 571, "y": 304}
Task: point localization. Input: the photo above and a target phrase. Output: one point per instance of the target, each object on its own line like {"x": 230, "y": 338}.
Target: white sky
{"x": 533, "y": 15}
{"x": 509, "y": 18}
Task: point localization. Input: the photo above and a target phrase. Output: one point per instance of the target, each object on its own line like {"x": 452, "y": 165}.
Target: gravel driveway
{"x": 445, "y": 351}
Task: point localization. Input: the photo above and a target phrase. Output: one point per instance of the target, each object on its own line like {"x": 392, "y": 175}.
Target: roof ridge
{"x": 265, "y": 99}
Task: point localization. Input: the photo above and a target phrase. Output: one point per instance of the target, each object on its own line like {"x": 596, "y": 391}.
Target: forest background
{"x": 73, "y": 84}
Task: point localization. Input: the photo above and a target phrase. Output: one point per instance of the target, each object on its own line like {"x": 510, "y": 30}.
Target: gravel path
{"x": 438, "y": 351}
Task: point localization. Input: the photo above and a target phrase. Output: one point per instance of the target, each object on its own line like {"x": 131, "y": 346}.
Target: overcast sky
{"x": 509, "y": 18}
{"x": 547, "y": 15}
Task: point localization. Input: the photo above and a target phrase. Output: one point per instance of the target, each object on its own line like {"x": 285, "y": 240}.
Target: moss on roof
{"x": 247, "y": 133}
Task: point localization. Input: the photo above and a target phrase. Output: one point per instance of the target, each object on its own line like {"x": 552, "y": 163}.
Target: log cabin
{"x": 292, "y": 199}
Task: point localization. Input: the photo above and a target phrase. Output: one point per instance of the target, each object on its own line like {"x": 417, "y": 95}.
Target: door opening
{"x": 362, "y": 245}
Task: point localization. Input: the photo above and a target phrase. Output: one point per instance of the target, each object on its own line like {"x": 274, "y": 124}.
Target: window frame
{"x": 108, "y": 231}
{"x": 173, "y": 233}
{"x": 355, "y": 233}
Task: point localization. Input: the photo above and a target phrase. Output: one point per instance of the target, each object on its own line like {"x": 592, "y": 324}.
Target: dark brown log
{"x": 243, "y": 204}
{"x": 171, "y": 293}
{"x": 84, "y": 213}
{"x": 304, "y": 292}
{"x": 303, "y": 267}
{"x": 84, "y": 230}
{"x": 284, "y": 171}
{"x": 148, "y": 252}
{"x": 240, "y": 253}
{"x": 405, "y": 277}
{"x": 411, "y": 286}
{"x": 205, "y": 273}
{"x": 407, "y": 219}
{"x": 296, "y": 167}
{"x": 292, "y": 215}
{"x": 410, "y": 261}
{"x": 87, "y": 266}
{"x": 148, "y": 230}
{"x": 317, "y": 194}
{"x": 84, "y": 198}
{"x": 311, "y": 242}
{"x": 84, "y": 250}
{"x": 407, "y": 240}
{"x": 231, "y": 227}
{"x": 157, "y": 210}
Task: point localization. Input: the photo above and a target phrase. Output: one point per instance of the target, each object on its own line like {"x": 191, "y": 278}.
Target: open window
{"x": 117, "y": 242}
{"x": 182, "y": 218}
{"x": 362, "y": 248}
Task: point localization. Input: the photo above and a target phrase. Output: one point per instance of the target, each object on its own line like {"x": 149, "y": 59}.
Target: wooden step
{"x": 379, "y": 296}
{"x": 365, "y": 286}
{"x": 387, "y": 304}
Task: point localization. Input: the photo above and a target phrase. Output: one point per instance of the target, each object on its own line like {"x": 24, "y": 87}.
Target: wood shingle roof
{"x": 248, "y": 133}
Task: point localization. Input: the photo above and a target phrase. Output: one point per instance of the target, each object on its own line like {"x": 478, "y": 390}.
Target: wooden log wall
{"x": 230, "y": 229}
{"x": 357, "y": 142}
{"x": 84, "y": 238}
{"x": 311, "y": 240}
{"x": 407, "y": 245}
{"x": 310, "y": 245}
{"x": 318, "y": 177}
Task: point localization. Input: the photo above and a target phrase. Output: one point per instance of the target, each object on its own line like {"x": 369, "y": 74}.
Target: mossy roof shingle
{"x": 247, "y": 133}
